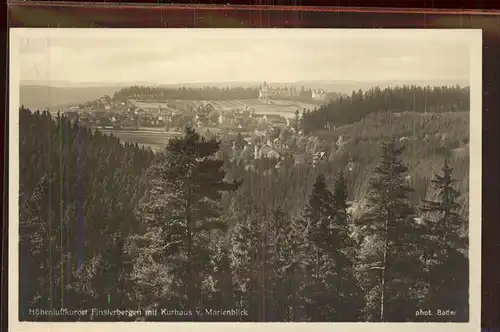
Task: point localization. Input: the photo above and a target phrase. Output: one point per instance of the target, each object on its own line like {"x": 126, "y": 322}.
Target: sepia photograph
{"x": 245, "y": 176}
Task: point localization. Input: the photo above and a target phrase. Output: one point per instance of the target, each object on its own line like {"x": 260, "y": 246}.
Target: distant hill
{"x": 347, "y": 87}
{"x": 37, "y": 95}
{"x": 339, "y": 86}
{"x": 41, "y": 97}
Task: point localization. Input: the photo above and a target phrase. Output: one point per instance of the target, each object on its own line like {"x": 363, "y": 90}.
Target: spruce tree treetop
{"x": 448, "y": 196}
{"x": 446, "y": 253}
{"x": 446, "y": 222}
{"x": 389, "y": 190}
{"x": 393, "y": 266}
{"x": 320, "y": 207}
{"x": 340, "y": 194}
{"x": 342, "y": 219}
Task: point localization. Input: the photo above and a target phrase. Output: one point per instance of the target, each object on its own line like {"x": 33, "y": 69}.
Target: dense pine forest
{"x": 351, "y": 109}
{"x": 377, "y": 232}
{"x": 78, "y": 191}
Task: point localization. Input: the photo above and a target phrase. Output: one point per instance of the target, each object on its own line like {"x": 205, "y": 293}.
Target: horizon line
{"x": 326, "y": 81}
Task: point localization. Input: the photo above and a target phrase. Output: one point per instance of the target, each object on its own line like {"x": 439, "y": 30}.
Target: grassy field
{"x": 155, "y": 140}
{"x": 284, "y": 108}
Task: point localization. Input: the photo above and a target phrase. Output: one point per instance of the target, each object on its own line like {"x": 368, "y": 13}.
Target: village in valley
{"x": 252, "y": 129}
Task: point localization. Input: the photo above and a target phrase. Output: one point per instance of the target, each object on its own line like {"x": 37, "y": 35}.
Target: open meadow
{"x": 156, "y": 140}
{"x": 284, "y": 108}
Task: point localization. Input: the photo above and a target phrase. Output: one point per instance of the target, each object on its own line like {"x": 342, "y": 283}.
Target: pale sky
{"x": 170, "y": 56}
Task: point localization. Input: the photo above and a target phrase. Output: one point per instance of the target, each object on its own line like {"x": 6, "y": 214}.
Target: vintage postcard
{"x": 311, "y": 178}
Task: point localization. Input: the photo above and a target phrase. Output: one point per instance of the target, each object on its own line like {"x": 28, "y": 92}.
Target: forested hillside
{"x": 428, "y": 140}
{"x": 349, "y": 110}
{"x": 354, "y": 150}
{"x": 374, "y": 233}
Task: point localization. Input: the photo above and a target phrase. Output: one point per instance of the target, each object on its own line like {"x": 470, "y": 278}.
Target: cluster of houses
{"x": 128, "y": 115}
{"x": 132, "y": 115}
{"x": 102, "y": 112}
{"x": 261, "y": 146}
{"x": 252, "y": 137}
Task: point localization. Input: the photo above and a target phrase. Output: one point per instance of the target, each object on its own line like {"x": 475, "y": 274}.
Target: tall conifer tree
{"x": 446, "y": 254}
{"x": 247, "y": 261}
{"x": 333, "y": 292}
{"x": 34, "y": 250}
{"x": 349, "y": 296}
{"x": 180, "y": 214}
{"x": 393, "y": 266}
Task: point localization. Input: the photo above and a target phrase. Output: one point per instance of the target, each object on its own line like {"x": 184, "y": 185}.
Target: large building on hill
{"x": 320, "y": 95}
{"x": 268, "y": 92}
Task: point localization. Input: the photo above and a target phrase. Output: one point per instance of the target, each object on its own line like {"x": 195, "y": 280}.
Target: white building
{"x": 257, "y": 153}
{"x": 264, "y": 91}
{"x": 267, "y": 91}
{"x": 321, "y": 95}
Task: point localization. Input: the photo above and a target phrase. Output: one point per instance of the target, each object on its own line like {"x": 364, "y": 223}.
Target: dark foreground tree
{"x": 180, "y": 214}
{"x": 295, "y": 252}
{"x": 78, "y": 188}
{"x": 34, "y": 251}
{"x": 247, "y": 261}
{"x": 447, "y": 258}
{"x": 332, "y": 292}
{"x": 393, "y": 243}
{"x": 259, "y": 259}
{"x": 350, "y": 296}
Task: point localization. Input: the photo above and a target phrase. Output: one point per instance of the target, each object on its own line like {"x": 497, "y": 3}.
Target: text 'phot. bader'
{"x": 246, "y": 176}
